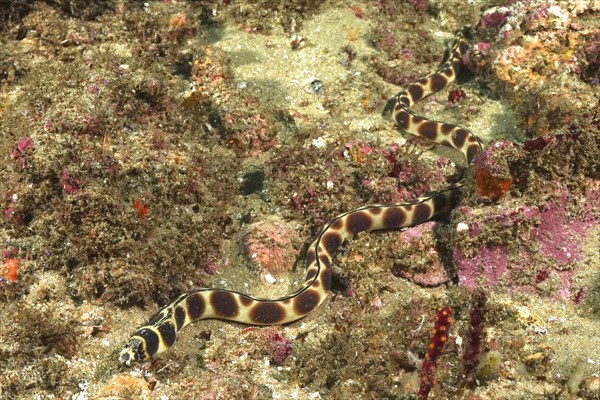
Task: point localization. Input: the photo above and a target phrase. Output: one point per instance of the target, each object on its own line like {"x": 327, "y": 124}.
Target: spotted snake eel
{"x": 161, "y": 331}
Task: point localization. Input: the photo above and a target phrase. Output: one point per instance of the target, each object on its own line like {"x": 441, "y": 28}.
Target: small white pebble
{"x": 540, "y": 330}
{"x": 319, "y": 143}
{"x": 414, "y": 359}
{"x": 329, "y": 185}
{"x": 462, "y": 227}
{"x": 459, "y": 341}
{"x": 269, "y": 278}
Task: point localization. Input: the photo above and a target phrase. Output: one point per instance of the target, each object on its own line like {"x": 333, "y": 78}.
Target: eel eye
{"x": 124, "y": 358}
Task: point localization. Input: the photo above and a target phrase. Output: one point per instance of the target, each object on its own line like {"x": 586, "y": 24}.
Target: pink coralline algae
{"x": 278, "y": 345}
{"x": 494, "y": 19}
{"x": 19, "y": 150}
{"x": 489, "y": 264}
{"x": 558, "y": 238}
{"x": 69, "y": 183}
{"x": 543, "y": 255}
{"x": 483, "y": 46}
{"x": 281, "y": 350}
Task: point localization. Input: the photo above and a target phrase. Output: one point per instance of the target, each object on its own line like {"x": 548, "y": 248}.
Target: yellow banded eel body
{"x": 161, "y": 331}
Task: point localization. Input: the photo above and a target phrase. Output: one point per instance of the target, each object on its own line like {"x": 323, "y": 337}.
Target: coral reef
{"x": 142, "y": 142}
